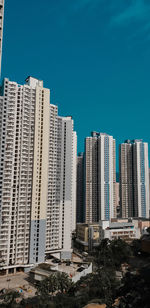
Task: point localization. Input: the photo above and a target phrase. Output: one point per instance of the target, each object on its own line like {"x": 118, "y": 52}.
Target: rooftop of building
{"x": 33, "y": 82}
{"x": 66, "y": 118}
{"x": 109, "y": 225}
{"x": 98, "y": 134}
{"x": 72, "y": 268}
{"x": 133, "y": 141}
{"x": 117, "y": 225}
{"x": 113, "y": 220}
{"x": 130, "y": 219}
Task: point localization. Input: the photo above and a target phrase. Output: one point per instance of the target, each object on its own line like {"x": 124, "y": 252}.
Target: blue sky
{"x": 94, "y": 55}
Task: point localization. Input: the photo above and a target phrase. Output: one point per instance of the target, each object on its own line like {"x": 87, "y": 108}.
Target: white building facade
{"x": 40, "y": 172}
{"x": 66, "y": 184}
{"x": 118, "y": 230}
{"x": 141, "y": 178}
{"x": 61, "y": 202}
{"x": 106, "y": 177}
{"x": 134, "y": 179}
{"x": 38, "y": 153}
{"x": 17, "y": 151}
{"x": 100, "y": 177}
{"x": 53, "y": 206}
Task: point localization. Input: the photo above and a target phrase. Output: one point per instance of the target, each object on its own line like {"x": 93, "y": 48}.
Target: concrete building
{"x": 89, "y": 236}
{"x": 126, "y": 178}
{"x": 67, "y": 159}
{"x": 1, "y": 30}
{"x": 38, "y": 153}
{"x": 117, "y": 199}
{"x": 115, "y": 230}
{"x": 40, "y": 172}
{"x": 53, "y": 207}
{"x": 139, "y": 222}
{"x": 100, "y": 177}
{"x": 61, "y": 204}
{"x": 80, "y": 188}
{"x": 23, "y": 145}
{"x": 134, "y": 179}
{"x": 74, "y": 270}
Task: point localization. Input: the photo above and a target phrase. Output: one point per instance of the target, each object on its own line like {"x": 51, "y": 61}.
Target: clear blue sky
{"x": 94, "y": 55}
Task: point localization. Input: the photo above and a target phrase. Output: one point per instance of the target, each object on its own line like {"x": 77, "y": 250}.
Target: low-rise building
{"x": 74, "y": 270}
{"x": 89, "y": 236}
{"x": 139, "y": 222}
{"x": 115, "y": 230}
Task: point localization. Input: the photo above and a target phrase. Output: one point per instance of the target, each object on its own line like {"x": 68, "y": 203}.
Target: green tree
{"x": 48, "y": 286}
{"x": 64, "y": 283}
{"x": 112, "y": 253}
{"x": 104, "y": 286}
{"x": 103, "y": 255}
{"x": 57, "y": 282}
{"x": 9, "y": 299}
{"x": 136, "y": 247}
{"x": 134, "y": 291}
{"x": 120, "y": 251}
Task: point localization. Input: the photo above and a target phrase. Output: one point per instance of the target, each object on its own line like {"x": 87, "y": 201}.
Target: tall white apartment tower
{"x": 53, "y": 201}
{"x": 80, "y": 188}
{"x": 67, "y": 155}
{"x": 40, "y": 172}
{"x": 134, "y": 179}
{"x": 1, "y": 30}
{"x": 106, "y": 177}
{"x": 141, "y": 178}
{"x": 61, "y": 205}
{"x": 24, "y": 139}
{"x": 38, "y": 152}
{"x": 100, "y": 177}
{"x": 91, "y": 182}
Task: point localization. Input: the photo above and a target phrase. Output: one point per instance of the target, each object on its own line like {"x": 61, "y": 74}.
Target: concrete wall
{"x": 82, "y": 274}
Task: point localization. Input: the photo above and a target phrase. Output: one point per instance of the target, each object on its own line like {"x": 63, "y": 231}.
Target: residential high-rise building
{"x": 23, "y": 117}
{"x": 80, "y": 188}
{"x": 117, "y": 192}
{"x": 141, "y": 178}
{"x": 1, "y": 29}
{"x": 37, "y": 176}
{"x": 91, "y": 180}
{"x": 40, "y": 172}
{"x": 61, "y": 210}
{"x": 134, "y": 179}
{"x": 100, "y": 177}
{"x": 67, "y": 154}
{"x": 126, "y": 178}
{"x": 53, "y": 201}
